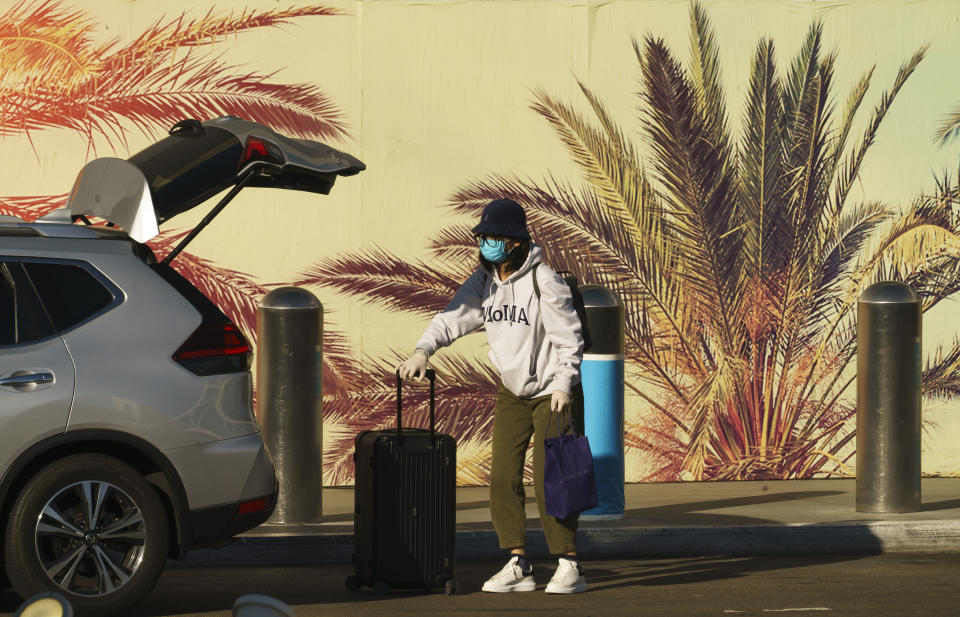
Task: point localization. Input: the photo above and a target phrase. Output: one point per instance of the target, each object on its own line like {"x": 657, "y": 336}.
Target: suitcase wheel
{"x": 352, "y": 583}
{"x": 451, "y": 588}
{"x": 381, "y": 588}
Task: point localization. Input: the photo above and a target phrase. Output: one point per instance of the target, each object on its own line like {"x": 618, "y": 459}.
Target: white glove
{"x": 558, "y": 401}
{"x": 415, "y": 366}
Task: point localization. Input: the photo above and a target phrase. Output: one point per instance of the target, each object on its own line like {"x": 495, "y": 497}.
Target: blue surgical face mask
{"x": 494, "y": 250}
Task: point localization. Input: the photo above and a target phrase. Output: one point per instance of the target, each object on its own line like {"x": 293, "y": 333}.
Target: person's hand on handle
{"x": 415, "y": 366}
{"x": 558, "y": 401}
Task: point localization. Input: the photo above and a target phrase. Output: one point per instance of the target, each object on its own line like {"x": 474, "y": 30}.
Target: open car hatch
{"x": 197, "y": 161}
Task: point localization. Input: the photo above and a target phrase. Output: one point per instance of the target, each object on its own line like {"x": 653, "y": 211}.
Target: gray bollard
{"x": 888, "y": 399}
{"x": 290, "y": 399}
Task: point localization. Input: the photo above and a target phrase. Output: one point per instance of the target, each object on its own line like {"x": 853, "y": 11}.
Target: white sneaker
{"x": 567, "y": 579}
{"x": 510, "y": 578}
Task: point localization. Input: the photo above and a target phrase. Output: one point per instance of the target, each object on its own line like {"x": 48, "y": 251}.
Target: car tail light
{"x": 215, "y": 348}
{"x": 248, "y": 507}
{"x": 257, "y": 149}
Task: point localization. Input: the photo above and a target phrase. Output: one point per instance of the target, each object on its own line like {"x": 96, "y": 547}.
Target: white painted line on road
{"x": 784, "y": 610}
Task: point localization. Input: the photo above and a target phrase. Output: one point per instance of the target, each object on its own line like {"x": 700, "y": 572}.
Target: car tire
{"x": 102, "y": 571}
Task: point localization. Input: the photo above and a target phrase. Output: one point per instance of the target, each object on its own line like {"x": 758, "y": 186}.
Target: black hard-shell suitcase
{"x": 404, "y": 525}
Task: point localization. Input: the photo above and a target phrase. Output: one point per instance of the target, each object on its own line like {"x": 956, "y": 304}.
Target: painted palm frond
{"x": 762, "y": 166}
{"x": 611, "y": 167}
{"x": 850, "y": 168}
{"x": 706, "y": 76}
{"x": 170, "y": 34}
{"x": 697, "y": 189}
{"x": 161, "y": 77}
{"x": 941, "y": 376}
{"x": 45, "y": 43}
{"x": 473, "y": 461}
{"x": 575, "y": 223}
{"x": 455, "y": 246}
{"x": 149, "y": 95}
{"x": 607, "y": 159}
{"x": 31, "y": 208}
{"x": 949, "y": 128}
{"x": 397, "y": 283}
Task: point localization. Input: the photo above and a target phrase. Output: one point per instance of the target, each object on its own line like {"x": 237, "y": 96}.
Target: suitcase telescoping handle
{"x": 432, "y": 376}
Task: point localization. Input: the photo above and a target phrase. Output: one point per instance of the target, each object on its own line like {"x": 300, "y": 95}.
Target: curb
{"x": 938, "y": 536}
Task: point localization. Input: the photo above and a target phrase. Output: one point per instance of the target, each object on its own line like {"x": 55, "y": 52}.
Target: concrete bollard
{"x": 888, "y": 398}
{"x": 290, "y": 393}
{"x": 602, "y": 377}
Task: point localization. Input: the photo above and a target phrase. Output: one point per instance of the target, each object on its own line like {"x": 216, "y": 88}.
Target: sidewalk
{"x": 678, "y": 519}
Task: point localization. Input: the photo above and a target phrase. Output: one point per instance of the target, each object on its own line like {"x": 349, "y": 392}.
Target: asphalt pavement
{"x": 755, "y": 549}
{"x": 689, "y": 519}
{"x": 890, "y": 585}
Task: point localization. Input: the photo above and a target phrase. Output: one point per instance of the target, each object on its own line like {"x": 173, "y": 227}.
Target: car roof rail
{"x": 59, "y": 215}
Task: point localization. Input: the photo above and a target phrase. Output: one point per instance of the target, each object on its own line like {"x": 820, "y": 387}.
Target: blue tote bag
{"x": 569, "y": 486}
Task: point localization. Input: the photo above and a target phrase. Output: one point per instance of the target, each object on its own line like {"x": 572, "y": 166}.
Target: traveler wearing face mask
{"x": 536, "y": 345}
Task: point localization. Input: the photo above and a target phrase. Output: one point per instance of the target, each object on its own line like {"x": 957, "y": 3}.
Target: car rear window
{"x": 209, "y": 311}
{"x": 185, "y": 170}
{"x": 70, "y": 293}
{"x": 22, "y": 319}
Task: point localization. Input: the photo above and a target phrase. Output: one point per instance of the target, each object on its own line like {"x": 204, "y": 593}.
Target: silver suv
{"x": 127, "y": 432}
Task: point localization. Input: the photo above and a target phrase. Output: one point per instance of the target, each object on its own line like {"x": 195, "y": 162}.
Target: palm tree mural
{"x": 949, "y": 128}
{"x": 55, "y": 75}
{"x": 739, "y": 256}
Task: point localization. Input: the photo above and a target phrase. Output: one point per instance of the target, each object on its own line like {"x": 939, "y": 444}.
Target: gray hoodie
{"x": 536, "y": 346}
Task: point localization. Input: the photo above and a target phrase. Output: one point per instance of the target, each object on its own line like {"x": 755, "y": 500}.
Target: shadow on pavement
{"x": 692, "y": 570}
{"x": 949, "y": 504}
{"x": 691, "y": 513}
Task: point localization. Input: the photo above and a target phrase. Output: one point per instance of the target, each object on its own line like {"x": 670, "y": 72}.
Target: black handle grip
{"x": 432, "y": 377}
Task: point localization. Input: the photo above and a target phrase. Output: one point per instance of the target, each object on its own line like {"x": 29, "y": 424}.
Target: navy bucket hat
{"x": 503, "y": 217}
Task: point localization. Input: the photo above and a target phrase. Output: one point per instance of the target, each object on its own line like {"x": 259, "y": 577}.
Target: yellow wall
{"x": 436, "y": 95}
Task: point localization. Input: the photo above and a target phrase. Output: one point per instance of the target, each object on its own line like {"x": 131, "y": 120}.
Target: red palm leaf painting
{"x": 739, "y": 258}
{"x": 54, "y": 74}
{"x": 30, "y": 208}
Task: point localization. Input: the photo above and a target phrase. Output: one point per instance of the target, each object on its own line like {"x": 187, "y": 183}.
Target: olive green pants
{"x": 514, "y": 421}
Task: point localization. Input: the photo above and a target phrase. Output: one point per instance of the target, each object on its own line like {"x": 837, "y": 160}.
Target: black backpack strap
{"x": 577, "y": 299}
{"x": 536, "y": 285}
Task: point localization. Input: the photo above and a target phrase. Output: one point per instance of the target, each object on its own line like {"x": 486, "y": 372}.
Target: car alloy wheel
{"x": 91, "y": 527}
{"x": 90, "y": 538}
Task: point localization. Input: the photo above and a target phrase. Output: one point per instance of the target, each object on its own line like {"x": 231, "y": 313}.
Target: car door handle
{"x": 26, "y": 379}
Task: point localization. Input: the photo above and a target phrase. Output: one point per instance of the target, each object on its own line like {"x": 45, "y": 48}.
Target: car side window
{"x": 22, "y": 318}
{"x": 70, "y": 293}
{"x": 8, "y": 311}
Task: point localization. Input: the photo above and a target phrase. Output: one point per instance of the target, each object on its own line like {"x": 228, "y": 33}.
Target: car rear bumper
{"x": 229, "y": 471}
{"x": 230, "y": 486}
{"x": 217, "y": 525}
